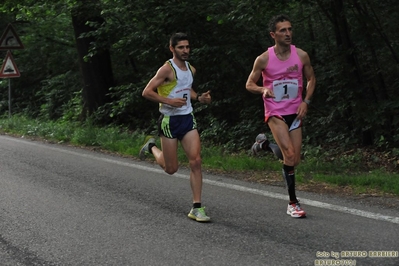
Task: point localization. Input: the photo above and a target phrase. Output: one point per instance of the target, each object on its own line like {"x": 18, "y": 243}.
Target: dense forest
{"x": 91, "y": 60}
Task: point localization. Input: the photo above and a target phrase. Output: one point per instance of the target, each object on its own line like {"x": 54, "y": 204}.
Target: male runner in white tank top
{"x": 171, "y": 87}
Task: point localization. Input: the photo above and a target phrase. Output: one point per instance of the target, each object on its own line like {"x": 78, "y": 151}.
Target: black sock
{"x": 150, "y": 145}
{"x": 289, "y": 174}
{"x": 196, "y": 205}
{"x": 265, "y": 145}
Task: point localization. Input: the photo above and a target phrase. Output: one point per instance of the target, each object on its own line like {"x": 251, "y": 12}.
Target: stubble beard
{"x": 182, "y": 58}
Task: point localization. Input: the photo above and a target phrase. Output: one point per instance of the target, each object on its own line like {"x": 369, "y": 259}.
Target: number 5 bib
{"x": 285, "y": 89}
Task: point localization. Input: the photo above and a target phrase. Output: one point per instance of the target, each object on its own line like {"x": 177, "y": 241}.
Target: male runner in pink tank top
{"x": 282, "y": 67}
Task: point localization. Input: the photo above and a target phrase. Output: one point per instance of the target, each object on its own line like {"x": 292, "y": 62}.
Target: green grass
{"x": 364, "y": 182}
{"x": 318, "y": 166}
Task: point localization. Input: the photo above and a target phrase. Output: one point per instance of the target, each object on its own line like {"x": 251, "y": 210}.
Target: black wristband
{"x": 198, "y": 95}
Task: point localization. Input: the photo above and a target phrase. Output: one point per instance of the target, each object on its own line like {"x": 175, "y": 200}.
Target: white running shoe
{"x": 259, "y": 142}
{"x": 295, "y": 210}
{"x": 199, "y": 215}
{"x": 144, "y": 151}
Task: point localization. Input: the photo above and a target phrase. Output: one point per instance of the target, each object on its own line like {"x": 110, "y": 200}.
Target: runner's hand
{"x": 178, "y": 102}
{"x": 302, "y": 110}
{"x": 205, "y": 97}
{"x": 268, "y": 93}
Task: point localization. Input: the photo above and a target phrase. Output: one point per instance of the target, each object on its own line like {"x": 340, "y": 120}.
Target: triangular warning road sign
{"x": 9, "y": 68}
{"x": 10, "y": 40}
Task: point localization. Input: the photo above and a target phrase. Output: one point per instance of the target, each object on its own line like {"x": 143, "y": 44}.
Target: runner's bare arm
{"x": 309, "y": 74}
{"x": 251, "y": 85}
{"x": 163, "y": 74}
{"x": 311, "y": 83}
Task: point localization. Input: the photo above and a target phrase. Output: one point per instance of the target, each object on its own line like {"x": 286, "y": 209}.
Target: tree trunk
{"x": 96, "y": 69}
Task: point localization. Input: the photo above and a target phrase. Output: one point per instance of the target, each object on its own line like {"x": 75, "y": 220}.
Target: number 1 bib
{"x": 285, "y": 89}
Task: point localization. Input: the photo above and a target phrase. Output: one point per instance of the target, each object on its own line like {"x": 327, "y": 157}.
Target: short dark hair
{"x": 177, "y": 37}
{"x": 276, "y": 19}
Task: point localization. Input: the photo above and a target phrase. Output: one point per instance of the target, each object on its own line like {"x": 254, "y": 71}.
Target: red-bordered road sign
{"x": 9, "y": 68}
{"x": 10, "y": 40}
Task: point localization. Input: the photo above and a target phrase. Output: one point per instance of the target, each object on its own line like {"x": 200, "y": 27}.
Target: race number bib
{"x": 285, "y": 89}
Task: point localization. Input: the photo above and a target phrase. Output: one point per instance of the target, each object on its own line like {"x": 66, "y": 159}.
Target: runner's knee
{"x": 171, "y": 169}
{"x": 289, "y": 155}
{"x": 196, "y": 163}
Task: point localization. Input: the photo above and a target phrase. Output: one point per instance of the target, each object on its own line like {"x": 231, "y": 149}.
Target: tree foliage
{"x": 353, "y": 46}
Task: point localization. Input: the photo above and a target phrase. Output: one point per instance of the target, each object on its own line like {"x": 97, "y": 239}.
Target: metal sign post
{"x": 9, "y": 98}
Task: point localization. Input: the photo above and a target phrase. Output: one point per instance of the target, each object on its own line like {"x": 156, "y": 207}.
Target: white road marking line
{"x": 314, "y": 203}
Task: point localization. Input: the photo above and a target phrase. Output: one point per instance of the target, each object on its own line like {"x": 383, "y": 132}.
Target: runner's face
{"x": 283, "y": 34}
{"x": 182, "y": 50}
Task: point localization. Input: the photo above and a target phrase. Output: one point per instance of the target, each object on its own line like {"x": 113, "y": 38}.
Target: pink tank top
{"x": 285, "y": 79}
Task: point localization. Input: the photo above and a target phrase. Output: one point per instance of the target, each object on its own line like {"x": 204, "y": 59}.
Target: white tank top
{"x": 178, "y": 88}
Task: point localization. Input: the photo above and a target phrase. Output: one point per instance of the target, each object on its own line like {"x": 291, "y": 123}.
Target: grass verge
{"x": 317, "y": 168}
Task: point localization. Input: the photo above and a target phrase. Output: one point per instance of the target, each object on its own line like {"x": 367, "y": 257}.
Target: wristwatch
{"x": 307, "y": 101}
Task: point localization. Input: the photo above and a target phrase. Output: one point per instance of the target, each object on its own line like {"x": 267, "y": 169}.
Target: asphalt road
{"x": 62, "y": 205}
